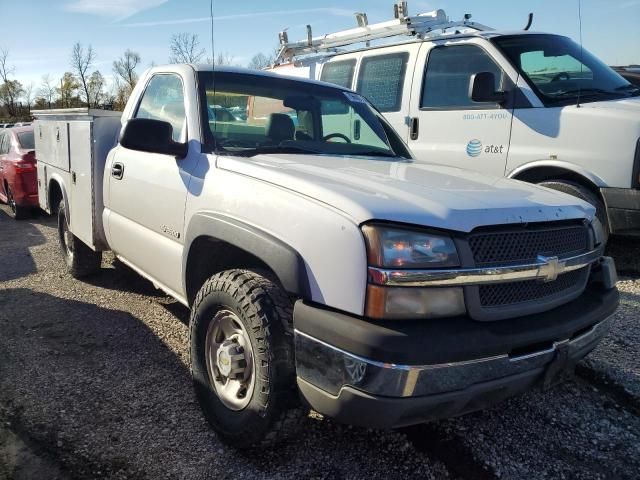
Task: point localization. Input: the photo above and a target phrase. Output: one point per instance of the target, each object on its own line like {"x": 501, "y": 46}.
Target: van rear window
{"x": 339, "y": 73}
{"x": 381, "y": 79}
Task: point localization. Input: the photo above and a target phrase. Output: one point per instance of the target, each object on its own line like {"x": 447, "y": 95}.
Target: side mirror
{"x": 482, "y": 89}
{"x": 154, "y": 136}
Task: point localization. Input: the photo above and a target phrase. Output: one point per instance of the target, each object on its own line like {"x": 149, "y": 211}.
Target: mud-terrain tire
{"x": 263, "y": 408}
{"x": 583, "y": 193}
{"x": 79, "y": 259}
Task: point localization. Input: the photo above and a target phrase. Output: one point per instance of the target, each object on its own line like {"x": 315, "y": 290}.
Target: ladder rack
{"x": 423, "y": 25}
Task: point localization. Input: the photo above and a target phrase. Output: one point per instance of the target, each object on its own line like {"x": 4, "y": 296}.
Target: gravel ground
{"x": 94, "y": 383}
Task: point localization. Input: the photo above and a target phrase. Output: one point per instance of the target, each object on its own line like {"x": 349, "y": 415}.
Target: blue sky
{"x": 42, "y": 32}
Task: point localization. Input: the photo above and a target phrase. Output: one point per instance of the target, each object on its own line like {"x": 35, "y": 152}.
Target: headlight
{"x": 391, "y": 247}
{"x": 400, "y": 249}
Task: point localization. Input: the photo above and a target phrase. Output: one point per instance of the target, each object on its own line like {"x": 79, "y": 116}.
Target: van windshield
{"x": 252, "y": 114}
{"x": 561, "y": 71}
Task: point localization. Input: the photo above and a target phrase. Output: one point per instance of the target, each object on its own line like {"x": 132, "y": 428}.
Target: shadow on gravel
{"x": 74, "y": 374}
{"x": 105, "y": 397}
{"x": 16, "y": 237}
{"x": 122, "y": 278}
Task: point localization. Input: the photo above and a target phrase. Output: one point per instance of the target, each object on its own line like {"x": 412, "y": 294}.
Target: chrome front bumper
{"x": 331, "y": 369}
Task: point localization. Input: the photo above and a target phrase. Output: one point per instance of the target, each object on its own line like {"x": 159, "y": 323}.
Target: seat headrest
{"x": 280, "y": 127}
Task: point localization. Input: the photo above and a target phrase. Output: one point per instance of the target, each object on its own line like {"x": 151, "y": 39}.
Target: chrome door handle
{"x": 117, "y": 170}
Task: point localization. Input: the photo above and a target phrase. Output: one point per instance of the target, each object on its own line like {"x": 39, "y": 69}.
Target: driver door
{"x": 148, "y": 191}
{"x": 447, "y": 126}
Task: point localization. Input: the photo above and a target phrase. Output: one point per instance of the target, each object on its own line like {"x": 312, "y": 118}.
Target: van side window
{"x": 339, "y": 73}
{"x": 163, "y": 100}
{"x": 448, "y": 73}
{"x": 381, "y": 80}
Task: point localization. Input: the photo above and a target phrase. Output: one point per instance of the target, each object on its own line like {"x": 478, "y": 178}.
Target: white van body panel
{"x": 594, "y": 143}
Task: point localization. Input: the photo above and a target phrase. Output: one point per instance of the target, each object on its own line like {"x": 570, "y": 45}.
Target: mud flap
{"x": 560, "y": 367}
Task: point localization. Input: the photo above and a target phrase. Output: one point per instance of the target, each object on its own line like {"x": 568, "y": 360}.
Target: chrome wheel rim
{"x": 67, "y": 237}
{"x": 12, "y": 202}
{"x": 230, "y": 360}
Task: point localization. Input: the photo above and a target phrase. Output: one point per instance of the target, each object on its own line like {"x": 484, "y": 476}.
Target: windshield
{"x": 289, "y": 116}
{"x": 560, "y": 71}
{"x": 26, "y": 140}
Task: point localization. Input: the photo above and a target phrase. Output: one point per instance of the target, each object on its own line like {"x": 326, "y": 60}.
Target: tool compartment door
{"x": 81, "y": 191}
{"x": 52, "y": 143}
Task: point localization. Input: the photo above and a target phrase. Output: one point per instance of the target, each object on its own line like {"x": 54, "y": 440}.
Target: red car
{"x": 18, "y": 177}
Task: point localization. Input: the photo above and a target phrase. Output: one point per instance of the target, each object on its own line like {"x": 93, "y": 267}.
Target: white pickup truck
{"x": 324, "y": 267}
{"x": 532, "y": 106}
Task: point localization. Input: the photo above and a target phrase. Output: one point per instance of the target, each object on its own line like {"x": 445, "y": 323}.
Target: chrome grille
{"x": 519, "y": 292}
{"x": 524, "y": 245}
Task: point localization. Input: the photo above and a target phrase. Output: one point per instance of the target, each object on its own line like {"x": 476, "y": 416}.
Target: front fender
{"x": 282, "y": 259}
{"x": 571, "y": 167}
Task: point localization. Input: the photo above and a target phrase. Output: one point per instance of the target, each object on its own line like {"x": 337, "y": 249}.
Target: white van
{"x": 529, "y": 106}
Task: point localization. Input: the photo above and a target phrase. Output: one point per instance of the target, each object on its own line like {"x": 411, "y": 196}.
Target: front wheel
{"x": 79, "y": 259}
{"x": 585, "y": 194}
{"x": 242, "y": 361}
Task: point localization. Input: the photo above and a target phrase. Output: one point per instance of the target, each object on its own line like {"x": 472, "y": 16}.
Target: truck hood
{"x": 631, "y": 104}
{"x": 367, "y": 188}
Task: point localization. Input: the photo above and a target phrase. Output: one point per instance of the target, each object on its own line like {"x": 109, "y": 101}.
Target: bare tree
{"x": 47, "y": 89}
{"x": 81, "y": 61}
{"x": 260, "y": 61}
{"x": 10, "y": 90}
{"x": 222, "y": 58}
{"x": 126, "y": 76}
{"x": 125, "y": 67}
{"x": 5, "y": 69}
{"x": 185, "y": 48}
{"x": 28, "y": 95}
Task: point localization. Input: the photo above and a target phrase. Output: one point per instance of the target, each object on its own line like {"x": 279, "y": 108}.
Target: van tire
{"x": 583, "y": 193}
{"x": 264, "y": 312}
{"x": 79, "y": 259}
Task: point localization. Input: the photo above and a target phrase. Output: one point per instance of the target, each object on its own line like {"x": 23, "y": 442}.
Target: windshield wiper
{"x": 632, "y": 89}
{"x": 277, "y": 149}
{"x": 373, "y": 153}
{"x": 587, "y": 92}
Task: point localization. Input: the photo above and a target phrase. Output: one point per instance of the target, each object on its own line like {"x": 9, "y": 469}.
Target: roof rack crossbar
{"x": 424, "y": 25}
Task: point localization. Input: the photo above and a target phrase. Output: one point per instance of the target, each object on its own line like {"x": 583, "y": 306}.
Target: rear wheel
{"x": 17, "y": 212}
{"x": 242, "y": 360}
{"x": 585, "y": 194}
{"x": 79, "y": 258}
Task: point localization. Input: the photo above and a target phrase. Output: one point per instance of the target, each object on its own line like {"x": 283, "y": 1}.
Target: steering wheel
{"x": 561, "y": 76}
{"x": 336, "y": 135}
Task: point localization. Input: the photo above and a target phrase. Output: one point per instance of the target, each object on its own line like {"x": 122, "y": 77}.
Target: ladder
{"x": 423, "y": 25}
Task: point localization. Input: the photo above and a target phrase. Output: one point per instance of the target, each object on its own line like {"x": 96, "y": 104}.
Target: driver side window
{"x": 448, "y": 73}
{"x": 163, "y": 100}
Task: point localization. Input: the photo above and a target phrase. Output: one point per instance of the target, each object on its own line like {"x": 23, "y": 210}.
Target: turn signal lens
{"x": 400, "y": 303}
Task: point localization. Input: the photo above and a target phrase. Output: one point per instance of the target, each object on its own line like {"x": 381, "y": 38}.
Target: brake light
{"x": 28, "y": 161}
{"x": 25, "y": 166}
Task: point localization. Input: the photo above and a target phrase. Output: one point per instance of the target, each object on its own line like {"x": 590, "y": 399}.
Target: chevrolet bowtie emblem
{"x": 550, "y": 268}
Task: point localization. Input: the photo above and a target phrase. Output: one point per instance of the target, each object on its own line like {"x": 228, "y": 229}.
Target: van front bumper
{"x": 623, "y": 210}
{"x": 369, "y": 384}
